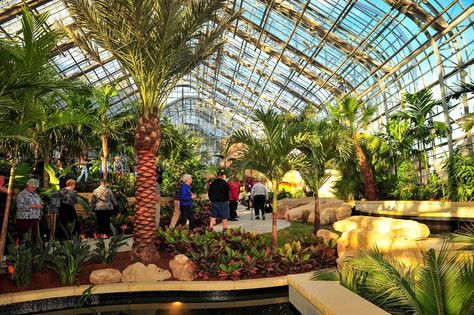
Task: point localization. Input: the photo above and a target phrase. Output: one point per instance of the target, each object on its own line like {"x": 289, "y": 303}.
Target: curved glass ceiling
{"x": 287, "y": 54}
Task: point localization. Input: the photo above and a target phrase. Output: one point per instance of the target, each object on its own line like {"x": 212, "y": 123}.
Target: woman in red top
{"x": 233, "y": 198}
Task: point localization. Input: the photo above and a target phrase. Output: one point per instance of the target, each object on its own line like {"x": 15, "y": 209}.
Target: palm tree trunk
{"x": 45, "y": 174}
{"x": 274, "y": 214}
{"x": 147, "y": 142}
{"x": 317, "y": 213}
{"x": 105, "y": 155}
{"x": 369, "y": 182}
{"x": 6, "y": 213}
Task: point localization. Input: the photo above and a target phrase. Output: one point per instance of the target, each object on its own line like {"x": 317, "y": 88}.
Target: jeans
{"x": 84, "y": 173}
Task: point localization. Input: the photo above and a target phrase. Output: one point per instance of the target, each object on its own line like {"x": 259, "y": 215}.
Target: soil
{"x": 49, "y": 278}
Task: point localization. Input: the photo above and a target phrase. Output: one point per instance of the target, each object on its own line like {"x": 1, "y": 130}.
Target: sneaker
{"x": 257, "y": 218}
{"x": 233, "y": 220}
{"x": 263, "y": 218}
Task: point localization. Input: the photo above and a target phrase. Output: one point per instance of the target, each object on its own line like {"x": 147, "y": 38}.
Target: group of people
{"x": 30, "y": 210}
{"x": 224, "y": 197}
{"x": 118, "y": 168}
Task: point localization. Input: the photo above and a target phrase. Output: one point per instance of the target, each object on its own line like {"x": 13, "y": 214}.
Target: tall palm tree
{"x": 26, "y": 74}
{"x": 107, "y": 124}
{"x": 157, "y": 42}
{"x": 355, "y": 115}
{"x": 328, "y": 141}
{"x": 418, "y": 109}
{"x": 271, "y": 151}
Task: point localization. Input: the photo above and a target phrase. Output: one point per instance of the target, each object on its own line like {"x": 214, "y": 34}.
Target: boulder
{"x": 332, "y": 212}
{"x": 182, "y": 268}
{"x": 353, "y": 242}
{"x": 327, "y": 235}
{"x": 286, "y": 204}
{"x": 394, "y": 227}
{"x": 103, "y": 276}
{"x": 301, "y": 212}
{"x": 139, "y": 272}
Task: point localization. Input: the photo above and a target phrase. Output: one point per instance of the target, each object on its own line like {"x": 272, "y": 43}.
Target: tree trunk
{"x": 147, "y": 142}
{"x": 369, "y": 182}
{"x": 45, "y": 174}
{"x": 105, "y": 155}
{"x": 317, "y": 213}
{"x": 6, "y": 213}
{"x": 274, "y": 214}
{"x": 427, "y": 167}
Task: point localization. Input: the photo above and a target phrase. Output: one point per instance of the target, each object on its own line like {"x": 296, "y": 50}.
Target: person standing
{"x": 259, "y": 194}
{"x": 186, "y": 202}
{"x": 219, "y": 195}
{"x": 248, "y": 187}
{"x": 66, "y": 199}
{"x": 234, "y": 186}
{"x": 103, "y": 203}
{"x": 83, "y": 167}
{"x": 118, "y": 166}
{"x": 29, "y": 209}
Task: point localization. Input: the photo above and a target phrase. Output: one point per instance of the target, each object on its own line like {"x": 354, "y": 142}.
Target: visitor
{"x": 186, "y": 202}
{"x": 219, "y": 195}
{"x": 159, "y": 181}
{"x": 118, "y": 166}
{"x": 103, "y": 203}
{"x": 101, "y": 171}
{"x": 176, "y": 210}
{"x": 63, "y": 203}
{"x": 259, "y": 194}
{"x": 248, "y": 187}
{"x": 83, "y": 168}
{"x": 29, "y": 210}
{"x": 234, "y": 186}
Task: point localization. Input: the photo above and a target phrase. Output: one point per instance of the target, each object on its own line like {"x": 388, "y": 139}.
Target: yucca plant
{"x": 106, "y": 253}
{"x": 157, "y": 42}
{"x": 443, "y": 285}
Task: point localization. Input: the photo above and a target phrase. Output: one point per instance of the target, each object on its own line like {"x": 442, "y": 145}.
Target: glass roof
{"x": 286, "y": 54}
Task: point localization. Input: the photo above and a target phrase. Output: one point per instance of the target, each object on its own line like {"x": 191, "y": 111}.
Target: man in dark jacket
{"x": 219, "y": 195}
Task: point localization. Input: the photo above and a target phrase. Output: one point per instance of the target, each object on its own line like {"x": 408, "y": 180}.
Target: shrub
{"x": 106, "y": 254}
{"x": 68, "y": 257}
{"x": 20, "y": 262}
{"x": 41, "y": 254}
{"x": 406, "y": 181}
{"x": 460, "y": 170}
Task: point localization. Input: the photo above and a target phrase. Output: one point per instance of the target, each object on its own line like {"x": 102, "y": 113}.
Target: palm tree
{"x": 355, "y": 115}
{"x": 418, "y": 109}
{"x": 272, "y": 151}
{"x": 107, "y": 124}
{"x": 327, "y": 142}
{"x": 157, "y": 42}
{"x": 26, "y": 74}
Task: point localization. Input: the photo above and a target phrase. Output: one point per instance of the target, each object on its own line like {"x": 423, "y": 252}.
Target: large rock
{"x": 395, "y": 227}
{"x": 182, "y": 268}
{"x": 139, "y": 272}
{"x": 103, "y": 276}
{"x": 301, "y": 212}
{"x": 286, "y": 204}
{"x": 405, "y": 250}
{"x": 332, "y": 212}
{"x": 327, "y": 235}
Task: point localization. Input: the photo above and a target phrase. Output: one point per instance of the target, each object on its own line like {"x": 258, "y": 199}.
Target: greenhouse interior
{"x": 237, "y": 157}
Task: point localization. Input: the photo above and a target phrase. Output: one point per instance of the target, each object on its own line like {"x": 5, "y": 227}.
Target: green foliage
{"x": 350, "y": 184}
{"x": 406, "y": 181}
{"x": 443, "y": 285}
{"x": 106, "y": 253}
{"x": 41, "y": 254}
{"x": 68, "y": 256}
{"x": 460, "y": 171}
{"x": 20, "y": 258}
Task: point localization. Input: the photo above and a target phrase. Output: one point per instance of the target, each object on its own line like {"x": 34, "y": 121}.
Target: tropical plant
{"x": 157, "y": 42}
{"x": 272, "y": 152}
{"x": 353, "y": 114}
{"x": 20, "y": 262}
{"x": 406, "y": 186}
{"x": 106, "y": 253}
{"x": 26, "y": 74}
{"x": 443, "y": 285}
{"x": 68, "y": 256}
{"x": 460, "y": 171}
{"x": 418, "y": 109}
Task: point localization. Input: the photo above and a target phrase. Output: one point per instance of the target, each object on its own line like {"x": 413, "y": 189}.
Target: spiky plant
{"x": 157, "y": 42}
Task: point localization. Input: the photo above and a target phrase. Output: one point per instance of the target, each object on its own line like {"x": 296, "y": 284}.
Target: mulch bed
{"x": 49, "y": 279}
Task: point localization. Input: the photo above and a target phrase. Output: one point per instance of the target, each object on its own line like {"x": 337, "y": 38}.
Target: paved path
{"x": 259, "y": 226}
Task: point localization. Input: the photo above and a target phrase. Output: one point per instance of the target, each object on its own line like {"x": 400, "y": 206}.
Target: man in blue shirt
{"x": 186, "y": 201}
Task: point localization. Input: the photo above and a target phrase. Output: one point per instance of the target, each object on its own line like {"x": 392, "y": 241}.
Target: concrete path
{"x": 258, "y": 226}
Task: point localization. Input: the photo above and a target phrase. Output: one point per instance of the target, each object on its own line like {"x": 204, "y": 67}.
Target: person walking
{"x": 259, "y": 194}
{"x": 29, "y": 209}
{"x": 103, "y": 203}
{"x": 219, "y": 195}
{"x": 63, "y": 202}
{"x": 234, "y": 186}
{"x": 186, "y": 202}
